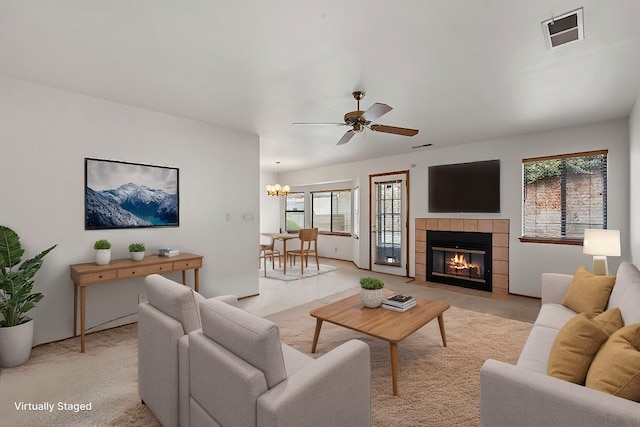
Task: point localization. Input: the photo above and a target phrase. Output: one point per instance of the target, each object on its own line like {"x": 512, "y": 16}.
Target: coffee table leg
{"x": 394, "y": 367}
{"x": 442, "y": 333}
{"x": 316, "y": 335}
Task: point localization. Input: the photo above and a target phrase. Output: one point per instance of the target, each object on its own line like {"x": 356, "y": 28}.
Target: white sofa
{"x": 164, "y": 323}
{"x": 524, "y": 395}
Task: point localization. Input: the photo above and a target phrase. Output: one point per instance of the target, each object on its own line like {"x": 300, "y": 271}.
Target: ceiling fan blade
{"x": 323, "y": 123}
{"x": 376, "y": 111}
{"x": 346, "y": 137}
{"x": 394, "y": 130}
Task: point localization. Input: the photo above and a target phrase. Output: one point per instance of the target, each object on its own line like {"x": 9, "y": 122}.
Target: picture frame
{"x": 121, "y": 194}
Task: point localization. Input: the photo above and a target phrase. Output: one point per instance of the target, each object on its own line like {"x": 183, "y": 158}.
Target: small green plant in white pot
{"x": 136, "y": 251}
{"x": 16, "y": 299}
{"x": 372, "y": 292}
{"x": 103, "y": 251}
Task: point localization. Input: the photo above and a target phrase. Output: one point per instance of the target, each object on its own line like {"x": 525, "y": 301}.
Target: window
{"x": 563, "y": 195}
{"x": 331, "y": 211}
{"x": 294, "y": 211}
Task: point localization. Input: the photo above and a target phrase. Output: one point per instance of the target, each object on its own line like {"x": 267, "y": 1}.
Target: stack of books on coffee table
{"x": 399, "y": 303}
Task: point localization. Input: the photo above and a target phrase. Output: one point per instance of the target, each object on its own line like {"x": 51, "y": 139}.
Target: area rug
{"x": 437, "y": 386}
{"x": 294, "y": 273}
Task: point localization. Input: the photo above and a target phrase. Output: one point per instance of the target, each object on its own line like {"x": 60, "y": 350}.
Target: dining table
{"x": 283, "y": 237}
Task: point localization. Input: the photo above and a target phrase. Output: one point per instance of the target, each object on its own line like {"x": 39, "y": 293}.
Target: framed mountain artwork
{"x": 130, "y": 195}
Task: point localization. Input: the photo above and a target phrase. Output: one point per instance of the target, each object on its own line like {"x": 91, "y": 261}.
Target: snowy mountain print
{"x": 130, "y": 205}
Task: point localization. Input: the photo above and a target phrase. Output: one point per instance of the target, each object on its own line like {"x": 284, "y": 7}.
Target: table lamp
{"x": 600, "y": 244}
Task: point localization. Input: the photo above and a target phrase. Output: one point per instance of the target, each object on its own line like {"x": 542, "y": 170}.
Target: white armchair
{"x": 242, "y": 375}
{"x": 164, "y": 323}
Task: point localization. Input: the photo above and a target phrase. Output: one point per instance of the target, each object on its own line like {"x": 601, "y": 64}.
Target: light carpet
{"x": 295, "y": 273}
{"x": 437, "y": 386}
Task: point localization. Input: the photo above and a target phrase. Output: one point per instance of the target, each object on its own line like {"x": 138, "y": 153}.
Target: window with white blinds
{"x": 564, "y": 195}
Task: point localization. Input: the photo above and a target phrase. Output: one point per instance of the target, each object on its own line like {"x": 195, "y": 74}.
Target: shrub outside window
{"x": 294, "y": 212}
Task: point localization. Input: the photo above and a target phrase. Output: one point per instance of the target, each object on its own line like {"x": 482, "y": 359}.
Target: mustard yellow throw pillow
{"x": 578, "y": 342}
{"x": 588, "y": 293}
{"x": 616, "y": 367}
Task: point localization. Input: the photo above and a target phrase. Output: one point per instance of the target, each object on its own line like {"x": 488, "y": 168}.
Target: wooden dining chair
{"x": 308, "y": 246}
{"x": 267, "y": 250}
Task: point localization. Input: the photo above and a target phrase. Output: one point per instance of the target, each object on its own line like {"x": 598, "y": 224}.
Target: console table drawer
{"x": 185, "y": 265}
{"x": 126, "y": 273}
{"x": 103, "y": 276}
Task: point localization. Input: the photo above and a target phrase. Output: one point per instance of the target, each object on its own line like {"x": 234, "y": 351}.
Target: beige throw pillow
{"x": 588, "y": 293}
{"x": 578, "y": 342}
{"x": 616, "y": 367}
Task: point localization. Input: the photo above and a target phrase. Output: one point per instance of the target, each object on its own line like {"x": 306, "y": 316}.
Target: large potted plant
{"x": 372, "y": 292}
{"x": 16, "y": 299}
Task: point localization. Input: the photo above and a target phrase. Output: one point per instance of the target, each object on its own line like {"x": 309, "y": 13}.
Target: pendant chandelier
{"x": 277, "y": 189}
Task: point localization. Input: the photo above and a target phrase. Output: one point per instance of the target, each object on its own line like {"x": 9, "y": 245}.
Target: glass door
{"x": 389, "y": 223}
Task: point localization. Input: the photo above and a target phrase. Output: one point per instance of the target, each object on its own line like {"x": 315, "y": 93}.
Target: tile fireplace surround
{"x": 499, "y": 228}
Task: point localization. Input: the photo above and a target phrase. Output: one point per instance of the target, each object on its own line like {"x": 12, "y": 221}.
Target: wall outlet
{"x": 142, "y": 298}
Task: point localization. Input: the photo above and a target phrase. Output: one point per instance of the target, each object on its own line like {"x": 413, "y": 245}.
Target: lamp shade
{"x": 601, "y": 242}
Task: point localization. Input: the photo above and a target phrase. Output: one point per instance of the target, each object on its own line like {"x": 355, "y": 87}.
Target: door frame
{"x": 406, "y": 221}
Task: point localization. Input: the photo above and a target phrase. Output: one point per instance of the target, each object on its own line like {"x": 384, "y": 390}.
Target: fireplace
{"x": 460, "y": 258}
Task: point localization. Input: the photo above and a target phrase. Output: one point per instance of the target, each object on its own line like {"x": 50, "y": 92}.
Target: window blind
{"x": 564, "y": 195}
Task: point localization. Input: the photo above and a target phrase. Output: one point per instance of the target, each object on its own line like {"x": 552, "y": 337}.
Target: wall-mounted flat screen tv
{"x": 465, "y": 187}
{"x": 129, "y": 195}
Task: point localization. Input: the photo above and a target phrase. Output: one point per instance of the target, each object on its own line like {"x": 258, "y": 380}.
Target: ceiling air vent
{"x": 563, "y": 29}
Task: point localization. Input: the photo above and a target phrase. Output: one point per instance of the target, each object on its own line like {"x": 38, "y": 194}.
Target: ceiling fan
{"x": 359, "y": 120}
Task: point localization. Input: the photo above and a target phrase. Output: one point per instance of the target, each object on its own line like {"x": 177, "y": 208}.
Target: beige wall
{"x": 527, "y": 260}
{"x": 46, "y": 134}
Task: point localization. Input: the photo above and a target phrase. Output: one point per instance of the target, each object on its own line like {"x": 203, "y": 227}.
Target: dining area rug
{"x": 295, "y": 273}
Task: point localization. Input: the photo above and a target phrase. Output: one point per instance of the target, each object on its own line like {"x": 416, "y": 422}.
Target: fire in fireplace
{"x": 460, "y": 258}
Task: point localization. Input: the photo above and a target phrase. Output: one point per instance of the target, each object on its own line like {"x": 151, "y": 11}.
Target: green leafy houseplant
{"x": 102, "y": 244}
{"x": 371, "y": 283}
{"x": 137, "y": 247}
{"x": 16, "y": 284}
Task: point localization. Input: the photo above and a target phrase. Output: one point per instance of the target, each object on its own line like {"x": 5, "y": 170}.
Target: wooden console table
{"x": 88, "y": 274}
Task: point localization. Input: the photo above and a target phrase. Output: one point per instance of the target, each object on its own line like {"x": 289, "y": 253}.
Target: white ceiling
{"x": 458, "y": 70}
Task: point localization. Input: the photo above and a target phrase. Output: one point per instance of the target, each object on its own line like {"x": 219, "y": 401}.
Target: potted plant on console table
{"x": 16, "y": 298}
{"x": 136, "y": 251}
{"x": 103, "y": 251}
{"x": 371, "y": 294}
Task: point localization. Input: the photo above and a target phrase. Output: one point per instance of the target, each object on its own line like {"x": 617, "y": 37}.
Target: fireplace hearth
{"x": 460, "y": 258}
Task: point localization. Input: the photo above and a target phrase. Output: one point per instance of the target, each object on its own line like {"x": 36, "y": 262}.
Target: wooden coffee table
{"x": 381, "y": 323}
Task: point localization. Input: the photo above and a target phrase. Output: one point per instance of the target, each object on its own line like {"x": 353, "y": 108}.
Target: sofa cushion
{"x": 578, "y": 342}
{"x": 588, "y": 293}
{"x": 175, "y": 300}
{"x": 535, "y": 353}
{"x": 616, "y": 367}
{"x": 626, "y": 293}
{"x": 554, "y": 316}
{"x": 252, "y": 338}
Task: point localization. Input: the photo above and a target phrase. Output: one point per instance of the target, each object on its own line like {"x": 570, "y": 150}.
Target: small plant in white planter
{"x": 372, "y": 292}
{"x": 103, "y": 251}
{"x": 16, "y": 298}
{"x": 136, "y": 251}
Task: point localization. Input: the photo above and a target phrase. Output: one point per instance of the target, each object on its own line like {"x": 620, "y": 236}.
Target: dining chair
{"x": 267, "y": 250}
{"x": 308, "y": 246}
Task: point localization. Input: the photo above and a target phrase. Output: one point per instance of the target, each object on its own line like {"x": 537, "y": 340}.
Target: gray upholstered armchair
{"x": 240, "y": 374}
{"x": 163, "y": 363}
